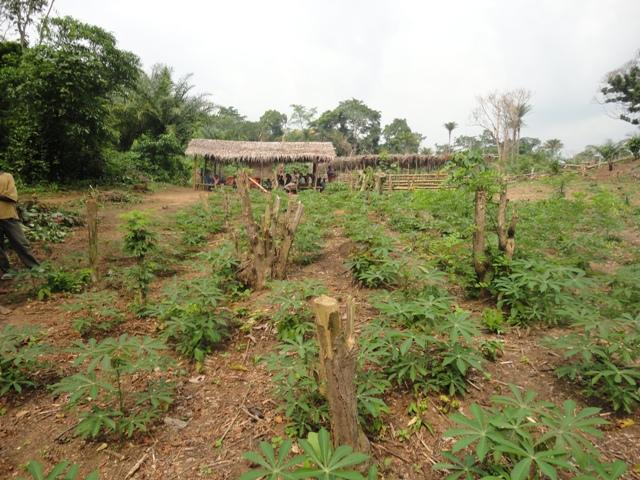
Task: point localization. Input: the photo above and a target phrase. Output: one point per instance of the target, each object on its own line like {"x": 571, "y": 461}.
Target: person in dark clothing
{"x": 10, "y": 226}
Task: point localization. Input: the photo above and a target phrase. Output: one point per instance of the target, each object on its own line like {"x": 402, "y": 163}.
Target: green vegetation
{"x": 105, "y": 386}
{"x": 20, "y": 358}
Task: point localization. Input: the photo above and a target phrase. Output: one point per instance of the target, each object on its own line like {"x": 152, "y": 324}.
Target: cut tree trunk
{"x": 92, "y": 230}
{"x": 506, "y": 232}
{"x": 480, "y": 262}
{"x": 338, "y": 371}
{"x": 269, "y": 242}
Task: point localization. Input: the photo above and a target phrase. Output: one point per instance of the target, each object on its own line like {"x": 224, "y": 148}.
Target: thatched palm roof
{"x": 229, "y": 151}
{"x": 430, "y": 162}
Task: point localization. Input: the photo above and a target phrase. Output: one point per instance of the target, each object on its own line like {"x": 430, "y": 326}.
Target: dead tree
{"x": 92, "y": 230}
{"x": 338, "y": 371}
{"x": 480, "y": 260}
{"x": 506, "y": 232}
{"x": 271, "y": 240}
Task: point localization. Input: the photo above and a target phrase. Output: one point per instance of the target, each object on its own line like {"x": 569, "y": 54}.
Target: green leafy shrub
{"x": 602, "y": 359}
{"x": 97, "y": 313}
{"x": 294, "y": 316}
{"x": 46, "y": 279}
{"x": 624, "y": 290}
{"x": 438, "y": 359}
{"x": 492, "y": 349}
{"x": 411, "y": 309}
{"x": 519, "y": 438}
{"x": 192, "y": 317}
{"x": 48, "y": 224}
{"x": 20, "y": 351}
{"x": 224, "y": 265}
{"x": 197, "y": 224}
{"x": 106, "y": 386}
{"x": 536, "y": 291}
{"x": 140, "y": 241}
{"x": 296, "y": 380}
{"x": 319, "y": 460}
{"x": 307, "y": 244}
{"x": 493, "y": 320}
{"x": 375, "y": 267}
{"x": 62, "y": 471}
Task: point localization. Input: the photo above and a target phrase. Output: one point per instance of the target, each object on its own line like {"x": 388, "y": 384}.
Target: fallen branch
{"x": 137, "y": 466}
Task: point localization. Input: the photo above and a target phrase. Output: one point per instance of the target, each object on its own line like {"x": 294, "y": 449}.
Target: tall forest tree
{"x": 502, "y": 115}
{"x": 19, "y": 15}
{"x": 59, "y": 93}
{"x": 622, "y": 88}
{"x": 354, "y": 122}
{"x": 272, "y": 125}
{"x": 399, "y": 138}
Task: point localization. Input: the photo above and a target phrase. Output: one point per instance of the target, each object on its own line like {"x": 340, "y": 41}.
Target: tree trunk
{"x": 92, "y": 228}
{"x": 506, "y": 233}
{"x": 338, "y": 371}
{"x": 610, "y": 162}
{"x": 480, "y": 262}
{"x": 269, "y": 242}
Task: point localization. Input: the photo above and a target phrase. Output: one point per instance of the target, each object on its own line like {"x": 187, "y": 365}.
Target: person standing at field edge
{"x": 10, "y": 226}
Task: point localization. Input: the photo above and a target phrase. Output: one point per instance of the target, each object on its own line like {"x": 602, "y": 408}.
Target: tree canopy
{"x": 622, "y": 88}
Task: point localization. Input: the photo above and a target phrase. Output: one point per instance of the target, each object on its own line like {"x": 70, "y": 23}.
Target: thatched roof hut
{"x": 260, "y": 153}
{"x": 261, "y": 157}
{"x": 428, "y": 162}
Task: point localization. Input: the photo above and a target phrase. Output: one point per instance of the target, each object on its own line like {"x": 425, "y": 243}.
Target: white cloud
{"x": 425, "y": 61}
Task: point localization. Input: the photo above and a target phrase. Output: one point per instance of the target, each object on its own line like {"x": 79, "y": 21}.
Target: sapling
{"x": 140, "y": 241}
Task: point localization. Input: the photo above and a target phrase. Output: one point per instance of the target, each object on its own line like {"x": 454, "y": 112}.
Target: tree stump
{"x": 92, "y": 229}
{"x": 480, "y": 262}
{"x": 271, "y": 240}
{"x": 338, "y": 371}
{"x": 506, "y": 233}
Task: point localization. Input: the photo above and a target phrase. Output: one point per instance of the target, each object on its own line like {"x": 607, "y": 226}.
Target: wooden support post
{"x": 338, "y": 370}
{"x": 480, "y": 262}
{"x": 92, "y": 229}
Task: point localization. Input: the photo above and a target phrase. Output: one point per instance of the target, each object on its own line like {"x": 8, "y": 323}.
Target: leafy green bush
{"x": 602, "y": 358}
{"x": 294, "y": 316}
{"x": 319, "y": 460}
{"x": 193, "y": 318}
{"x": 106, "y": 386}
{"x": 197, "y": 224}
{"x": 537, "y": 291}
{"x": 493, "y": 320}
{"x": 140, "y": 241}
{"x": 409, "y": 309}
{"x": 46, "y": 279}
{"x": 518, "y": 438}
{"x": 97, "y": 313}
{"x": 61, "y": 471}
{"x": 375, "y": 267}
{"x": 224, "y": 265}
{"x": 48, "y": 224}
{"x": 20, "y": 351}
{"x": 436, "y": 359}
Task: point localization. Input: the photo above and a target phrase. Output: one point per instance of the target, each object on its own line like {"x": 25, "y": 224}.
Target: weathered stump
{"x": 338, "y": 371}
{"x": 506, "y": 232}
{"x": 92, "y": 230}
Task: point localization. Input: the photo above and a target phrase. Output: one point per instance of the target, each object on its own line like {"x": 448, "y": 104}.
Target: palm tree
{"x": 450, "y": 126}
{"x": 553, "y": 146}
{"x": 608, "y": 151}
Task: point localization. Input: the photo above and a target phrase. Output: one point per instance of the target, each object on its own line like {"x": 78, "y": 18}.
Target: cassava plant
{"x": 105, "y": 393}
{"x": 140, "y": 241}
{"x": 20, "y": 358}
{"x": 521, "y": 438}
{"x": 61, "y": 471}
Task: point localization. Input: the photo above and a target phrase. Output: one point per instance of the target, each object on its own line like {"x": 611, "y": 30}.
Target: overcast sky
{"x": 425, "y": 61}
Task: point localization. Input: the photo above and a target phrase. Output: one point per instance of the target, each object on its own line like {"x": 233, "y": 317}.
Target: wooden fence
{"x": 403, "y": 181}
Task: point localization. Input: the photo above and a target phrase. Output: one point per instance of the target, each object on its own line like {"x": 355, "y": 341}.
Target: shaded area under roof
{"x": 230, "y": 151}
